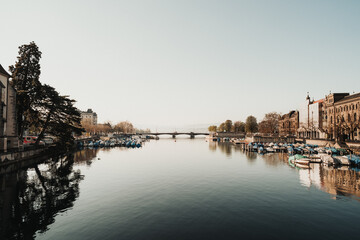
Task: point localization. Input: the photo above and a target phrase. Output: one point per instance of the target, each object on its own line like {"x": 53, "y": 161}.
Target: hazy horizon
{"x": 179, "y": 63}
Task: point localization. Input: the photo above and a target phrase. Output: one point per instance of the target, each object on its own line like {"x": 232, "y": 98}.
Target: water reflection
{"x": 31, "y": 198}
{"x": 251, "y": 156}
{"x": 225, "y": 147}
{"x": 341, "y": 181}
{"x": 336, "y": 181}
{"x": 85, "y": 156}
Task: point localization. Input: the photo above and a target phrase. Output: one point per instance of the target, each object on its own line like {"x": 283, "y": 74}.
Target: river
{"x": 183, "y": 189}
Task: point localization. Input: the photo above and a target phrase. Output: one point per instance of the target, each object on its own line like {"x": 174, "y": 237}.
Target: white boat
{"x": 270, "y": 150}
{"x": 236, "y": 141}
{"x": 304, "y": 161}
{"x": 327, "y": 159}
{"x": 343, "y": 160}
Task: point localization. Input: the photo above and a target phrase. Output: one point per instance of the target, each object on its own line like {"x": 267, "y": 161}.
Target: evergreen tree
{"x": 57, "y": 115}
{"x": 251, "y": 125}
{"x": 25, "y": 80}
{"x": 228, "y": 125}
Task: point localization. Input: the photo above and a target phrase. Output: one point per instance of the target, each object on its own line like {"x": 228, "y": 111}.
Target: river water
{"x": 183, "y": 189}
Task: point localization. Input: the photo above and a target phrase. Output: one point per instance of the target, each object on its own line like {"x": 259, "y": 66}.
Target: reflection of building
{"x": 310, "y": 119}
{"x": 341, "y": 182}
{"x": 331, "y": 180}
{"x": 89, "y": 117}
{"x": 8, "y": 128}
{"x": 289, "y": 123}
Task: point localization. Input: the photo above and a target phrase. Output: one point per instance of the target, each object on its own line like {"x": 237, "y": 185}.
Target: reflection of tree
{"x": 53, "y": 187}
{"x": 225, "y": 147}
{"x": 272, "y": 159}
{"x": 347, "y": 127}
{"x": 212, "y": 146}
{"x": 251, "y": 155}
{"x": 85, "y": 156}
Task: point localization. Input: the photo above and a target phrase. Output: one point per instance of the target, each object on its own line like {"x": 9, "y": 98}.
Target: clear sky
{"x": 173, "y": 63}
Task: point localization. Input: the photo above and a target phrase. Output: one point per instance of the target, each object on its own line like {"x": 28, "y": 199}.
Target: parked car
{"x": 30, "y": 140}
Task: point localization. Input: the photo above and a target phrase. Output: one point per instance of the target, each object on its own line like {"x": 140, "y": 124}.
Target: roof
{"x": 319, "y": 101}
{"x": 289, "y": 115}
{"x": 3, "y": 72}
{"x": 350, "y": 97}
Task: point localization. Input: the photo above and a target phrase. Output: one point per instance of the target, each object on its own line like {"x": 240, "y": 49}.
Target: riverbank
{"x": 12, "y": 161}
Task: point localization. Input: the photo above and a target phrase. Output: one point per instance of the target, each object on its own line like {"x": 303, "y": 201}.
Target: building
{"x": 311, "y": 119}
{"x": 8, "y": 127}
{"x": 289, "y": 124}
{"x": 341, "y": 115}
{"x": 89, "y": 117}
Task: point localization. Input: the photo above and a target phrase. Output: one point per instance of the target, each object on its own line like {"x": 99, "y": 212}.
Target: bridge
{"x": 174, "y": 134}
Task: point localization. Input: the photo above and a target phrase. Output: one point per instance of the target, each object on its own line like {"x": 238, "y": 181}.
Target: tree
{"x": 124, "y": 127}
{"x": 221, "y": 127}
{"x": 239, "y": 127}
{"x": 25, "y": 80}
{"x": 270, "y": 123}
{"x": 228, "y": 125}
{"x": 147, "y": 130}
{"x": 212, "y": 128}
{"x": 251, "y": 125}
{"x": 57, "y": 115}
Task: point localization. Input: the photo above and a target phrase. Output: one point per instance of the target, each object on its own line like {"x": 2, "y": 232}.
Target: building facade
{"x": 289, "y": 124}
{"x": 311, "y": 119}
{"x": 341, "y": 116}
{"x": 89, "y": 117}
{"x": 8, "y": 127}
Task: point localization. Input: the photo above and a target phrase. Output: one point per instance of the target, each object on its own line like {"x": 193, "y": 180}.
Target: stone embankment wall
{"x": 320, "y": 142}
{"x": 12, "y": 157}
{"x": 230, "y": 135}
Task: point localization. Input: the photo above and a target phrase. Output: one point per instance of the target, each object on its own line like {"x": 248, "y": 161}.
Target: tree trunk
{"x": 41, "y": 178}
{"x": 41, "y": 135}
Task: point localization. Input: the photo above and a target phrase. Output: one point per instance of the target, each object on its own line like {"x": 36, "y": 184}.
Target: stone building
{"x": 311, "y": 119}
{"x": 341, "y": 115}
{"x": 8, "y": 127}
{"x": 89, "y": 117}
{"x": 289, "y": 124}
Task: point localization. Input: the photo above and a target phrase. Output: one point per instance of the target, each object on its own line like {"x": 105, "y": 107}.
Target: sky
{"x": 191, "y": 62}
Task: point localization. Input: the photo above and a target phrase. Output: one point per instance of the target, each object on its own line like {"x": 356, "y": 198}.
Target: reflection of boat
{"x": 304, "y": 166}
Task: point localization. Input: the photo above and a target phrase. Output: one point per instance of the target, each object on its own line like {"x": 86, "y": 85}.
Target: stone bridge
{"x": 174, "y": 134}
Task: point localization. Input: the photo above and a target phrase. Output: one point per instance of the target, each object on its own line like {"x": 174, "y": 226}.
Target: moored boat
{"x": 343, "y": 160}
